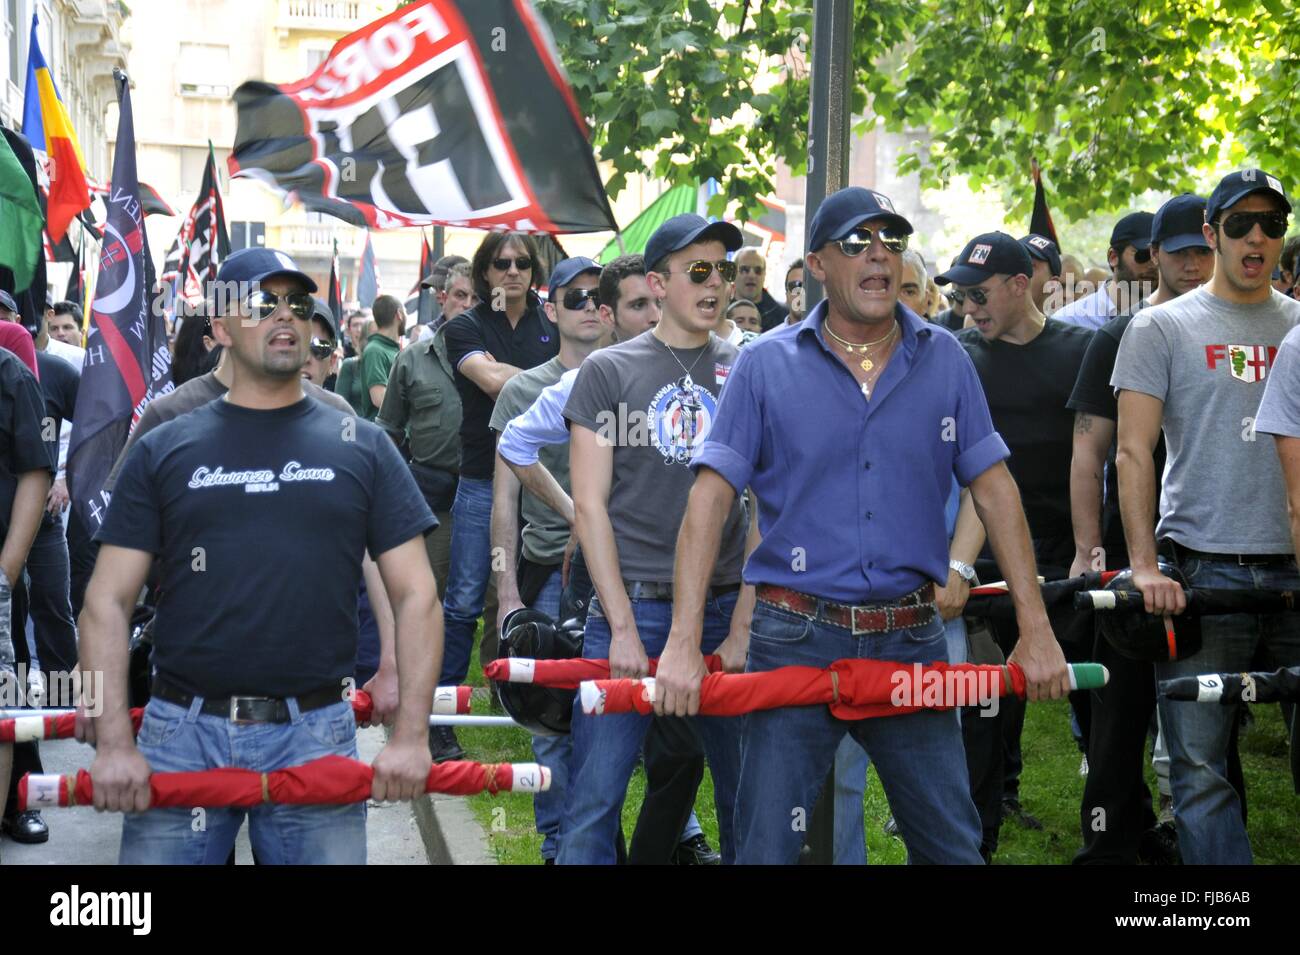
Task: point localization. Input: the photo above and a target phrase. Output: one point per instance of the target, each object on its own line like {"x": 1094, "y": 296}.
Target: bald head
{"x": 751, "y": 271}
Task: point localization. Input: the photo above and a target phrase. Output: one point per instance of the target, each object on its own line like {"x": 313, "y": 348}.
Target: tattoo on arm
{"x": 1082, "y": 423}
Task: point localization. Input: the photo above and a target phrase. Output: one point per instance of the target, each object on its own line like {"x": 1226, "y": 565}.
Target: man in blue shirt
{"x": 849, "y": 428}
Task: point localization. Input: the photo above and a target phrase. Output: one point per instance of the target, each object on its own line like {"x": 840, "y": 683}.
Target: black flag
{"x": 1040, "y": 220}
{"x": 422, "y": 118}
{"x": 203, "y": 242}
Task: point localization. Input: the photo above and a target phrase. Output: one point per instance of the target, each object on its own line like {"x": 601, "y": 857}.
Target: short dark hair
{"x": 613, "y": 274}
{"x": 386, "y": 310}
{"x": 487, "y": 250}
{"x": 796, "y": 264}
{"x": 69, "y": 308}
{"x": 1289, "y": 253}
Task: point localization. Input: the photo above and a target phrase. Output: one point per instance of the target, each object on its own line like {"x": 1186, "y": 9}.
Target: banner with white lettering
{"x": 443, "y": 112}
{"x": 127, "y": 360}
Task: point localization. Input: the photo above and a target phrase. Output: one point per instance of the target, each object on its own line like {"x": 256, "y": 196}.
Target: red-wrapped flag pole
{"x": 854, "y": 689}
{"x": 330, "y": 780}
{"x": 565, "y": 674}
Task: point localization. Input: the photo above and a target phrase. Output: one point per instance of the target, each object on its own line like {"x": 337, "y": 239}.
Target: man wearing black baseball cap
{"x": 1196, "y": 368}
{"x": 1123, "y": 709}
{"x": 1027, "y": 364}
{"x": 1045, "y": 283}
{"x": 1132, "y": 273}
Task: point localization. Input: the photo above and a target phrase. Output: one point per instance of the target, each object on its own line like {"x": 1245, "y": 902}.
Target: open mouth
{"x": 876, "y": 284}
{"x": 283, "y": 339}
{"x": 708, "y": 305}
{"x": 983, "y": 324}
{"x": 1252, "y": 265}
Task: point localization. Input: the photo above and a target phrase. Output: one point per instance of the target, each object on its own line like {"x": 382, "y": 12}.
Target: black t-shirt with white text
{"x": 1027, "y": 387}
{"x": 260, "y": 520}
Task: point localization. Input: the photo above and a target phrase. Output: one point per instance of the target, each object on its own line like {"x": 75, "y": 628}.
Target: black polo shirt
{"x": 481, "y": 330}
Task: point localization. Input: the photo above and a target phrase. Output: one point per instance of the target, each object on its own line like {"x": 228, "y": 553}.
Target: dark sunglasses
{"x": 261, "y": 305}
{"x": 980, "y": 296}
{"x": 522, "y": 262}
{"x": 701, "y": 269}
{"x": 1239, "y": 224}
{"x": 1141, "y": 256}
{"x": 321, "y": 348}
{"x": 576, "y": 299}
{"x": 791, "y": 286}
{"x": 859, "y": 240}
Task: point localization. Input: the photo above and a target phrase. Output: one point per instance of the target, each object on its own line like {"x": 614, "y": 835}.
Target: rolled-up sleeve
{"x": 734, "y": 442}
{"x": 542, "y": 425}
{"x": 979, "y": 446}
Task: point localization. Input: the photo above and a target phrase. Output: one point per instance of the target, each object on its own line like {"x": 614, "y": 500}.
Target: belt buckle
{"x": 853, "y": 621}
{"x": 242, "y": 708}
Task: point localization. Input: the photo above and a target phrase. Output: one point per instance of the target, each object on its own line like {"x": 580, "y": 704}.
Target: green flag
{"x": 21, "y": 221}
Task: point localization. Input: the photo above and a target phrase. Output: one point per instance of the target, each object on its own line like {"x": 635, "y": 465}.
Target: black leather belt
{"x": 249, "y": 709}
{"x": 658, "y": 590}
{"x": 1243, "y": 560}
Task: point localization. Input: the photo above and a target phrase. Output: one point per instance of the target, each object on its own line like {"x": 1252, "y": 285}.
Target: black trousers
{"x": 27, "y": 756}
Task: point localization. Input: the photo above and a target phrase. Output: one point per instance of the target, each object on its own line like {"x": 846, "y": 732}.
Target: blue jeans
{"x": 786, "y": 753}
{"x": 551, "y": 751}
{"x": 1206, "y": 807}
{"x": 467, "y": 578}
{"x": 852, "y": 763}
{"x": 180, "y": 739}
{"x": 605, "y": 747}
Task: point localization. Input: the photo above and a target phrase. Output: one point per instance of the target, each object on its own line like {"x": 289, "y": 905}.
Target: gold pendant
{"x": 868, "y": 364}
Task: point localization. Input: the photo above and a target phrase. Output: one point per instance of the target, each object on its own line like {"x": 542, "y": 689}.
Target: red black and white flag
{"x": 426, "y": 264}
{"x": 335, "y": 290}
{"x": 423, "y": 118}
{"x": 202, "y": 243}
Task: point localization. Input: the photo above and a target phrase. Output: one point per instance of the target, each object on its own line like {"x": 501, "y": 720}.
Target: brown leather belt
{"x": 912, "y": 610}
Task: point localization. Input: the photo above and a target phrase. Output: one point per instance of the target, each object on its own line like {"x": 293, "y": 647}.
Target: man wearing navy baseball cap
{"x": 1132, "y": 275}
{"x": 849, "y": 428}
{"x": 1196, "y": 367}
{"x": 1045, "y": 283}
{"x": 1027, "y": 364}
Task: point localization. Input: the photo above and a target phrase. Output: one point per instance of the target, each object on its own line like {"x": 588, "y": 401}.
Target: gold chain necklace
{"x": 862, "y": 349}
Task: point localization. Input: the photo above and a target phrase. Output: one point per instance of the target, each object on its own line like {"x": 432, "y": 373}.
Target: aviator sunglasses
{"x": 261, "y": 305}
{"x": 859, "y": 240}
{"x": 701, "y": 269}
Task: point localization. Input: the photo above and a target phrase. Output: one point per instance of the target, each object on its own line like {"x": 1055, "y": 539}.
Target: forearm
{"x": 698, "y": 541}
{"x": 1087, "y": 488}
{"x": 1137, "y": 495}
{"x": 997, "y": 500}
{"x": 968, "y": 535}
{"x": 600, "y": 553}
{"x": 504, "y": 533}
{"x": 418, "y": 617}
{"x": 491, "y": 376}
{"x": 382, "y": 610}
{"x": 541, "y": 483}
{"x": 24, "y": 521}
{"x": 104, "y": 636}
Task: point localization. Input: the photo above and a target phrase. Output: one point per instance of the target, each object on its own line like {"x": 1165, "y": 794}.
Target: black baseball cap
{"x": 681, "y": 230}
{"x": 256, "y": 265}
{"x": 568, "y": 270}
{"x": 987, "y": 255}
{"x": 322, "y": 311}
{"x": 842, "y": 212}
{"x": 1177, "y": 224}
{"x": 1236, "y": 186}
{"x": 1134, "y": 229}
{"x": 1044, "y": 249}
{"x": 7, "y": 301}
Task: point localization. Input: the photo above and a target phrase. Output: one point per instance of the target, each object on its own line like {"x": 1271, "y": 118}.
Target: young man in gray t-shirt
{"x": 638, "y": 414}
{"x": 1197, "y": 367}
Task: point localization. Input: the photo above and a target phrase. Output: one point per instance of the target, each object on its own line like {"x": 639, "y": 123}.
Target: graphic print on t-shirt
{"x": 1248, "y": 363}
{"x": 259, "y": 480}
{"x": 681, "y": 416}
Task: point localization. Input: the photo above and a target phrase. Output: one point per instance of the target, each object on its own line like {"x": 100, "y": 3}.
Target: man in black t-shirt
{"x": 260, "y": 508}
{"x": 504, "y": 334}
{"x": 1121, "y": 711}
{"x": 1027, "y": 364}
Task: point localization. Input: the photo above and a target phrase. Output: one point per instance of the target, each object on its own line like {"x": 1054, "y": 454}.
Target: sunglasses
{"x": 576, "y": 299}
{"x": 522, "y": 262}
{"x": 791, "y": 286}
{"x": 1239, "y": 224}
{"x": 321, "y": 348}
{"x": 859, "y": 240}
{"x": 261, "y": 305}
{"x": 980, "y": 296}
{"x": 1141, "y": 256}
{"x": 701, "y": 269}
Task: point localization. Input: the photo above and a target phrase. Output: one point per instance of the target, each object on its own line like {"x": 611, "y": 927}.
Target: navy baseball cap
{"x": 1236, "y": 186}
{"x": 567, "y": 271}
{"x": 1134, "y": 229}
{"x": 322, "y": 311}
{"x": 1044, "y": 249}
{"x": 987, "y": 255}
{"x": 842, "y": 212}
{"x": 681, "y": 230}
{"x": 256, "y": 265}
{"x": 1177, "y": 224}
{"x": 7, "y": 301}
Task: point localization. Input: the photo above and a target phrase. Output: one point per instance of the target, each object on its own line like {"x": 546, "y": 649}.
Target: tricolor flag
{"x": 422, "y": 118}
{"x": 368, "y": 278}
{"x": 47, "y": 127}
{"x": 127, "y": 360}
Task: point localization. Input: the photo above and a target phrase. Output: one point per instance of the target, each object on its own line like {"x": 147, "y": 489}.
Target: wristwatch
{"x": 964, "y": 570}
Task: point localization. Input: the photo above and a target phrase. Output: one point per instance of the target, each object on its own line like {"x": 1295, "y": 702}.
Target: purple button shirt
{"x": 851, "y": 492}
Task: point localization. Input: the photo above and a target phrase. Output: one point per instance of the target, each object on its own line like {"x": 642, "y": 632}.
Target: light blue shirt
{"x": 540, "y": 426}
{"x": 1091, "y": 311}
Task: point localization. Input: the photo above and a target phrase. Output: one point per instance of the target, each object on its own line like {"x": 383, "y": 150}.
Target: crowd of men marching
{"x": 660, "y": 448}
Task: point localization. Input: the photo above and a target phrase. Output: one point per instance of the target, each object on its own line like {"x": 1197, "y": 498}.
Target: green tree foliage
{"x": 1114, "y": 97}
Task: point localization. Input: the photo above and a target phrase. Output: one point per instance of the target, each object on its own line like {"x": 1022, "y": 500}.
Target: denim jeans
{"x": 551, "y": 751}
{"x": 180, "y": 739}
{"x": 50, "y": 606}
{"x": 852, "y": 763}
{"x": 786, "y": 753}
{"x": 467, "y": 577}
{"x": 605, "y": 747}
{"x": 1207, "y": 809}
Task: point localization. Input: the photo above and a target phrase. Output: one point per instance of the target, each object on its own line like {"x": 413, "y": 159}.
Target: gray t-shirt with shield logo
{"x": 656, "y": 410}
{"x": 1208, "y": 360}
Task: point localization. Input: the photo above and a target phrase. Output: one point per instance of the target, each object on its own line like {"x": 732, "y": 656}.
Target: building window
{"x": 204, "y": 70}
{"x": 315, "y": 57}
{"x": 193, "y": 159}
{"x": 11, "y": 25}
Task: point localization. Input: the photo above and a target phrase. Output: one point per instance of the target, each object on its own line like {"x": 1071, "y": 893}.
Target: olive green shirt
{"x": 423, "y": 404}
{"x": 376, "y": 364}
